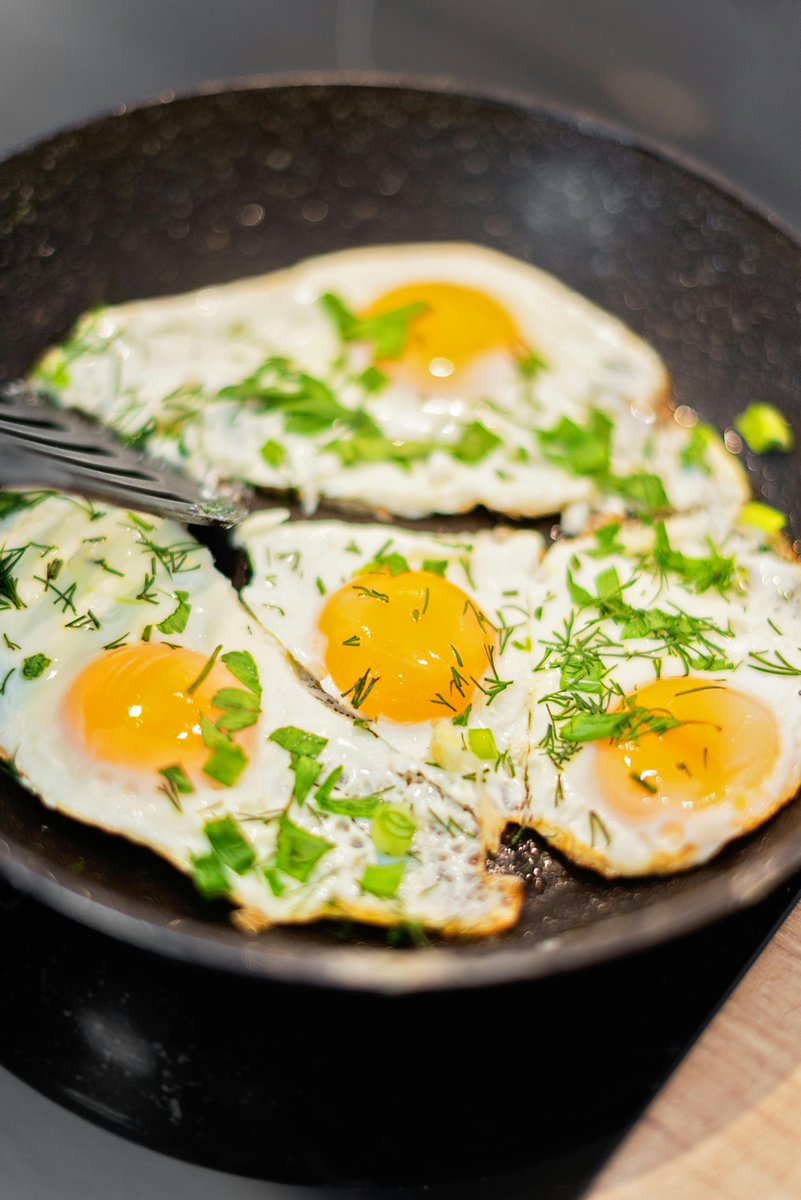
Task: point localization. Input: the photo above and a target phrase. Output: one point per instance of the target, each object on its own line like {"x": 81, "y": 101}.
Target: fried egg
{"x": 421, "y": 635}
{"x": 413, "y": 379}
{"x": 668, "y": 719}
{"x": 139, "y": 696}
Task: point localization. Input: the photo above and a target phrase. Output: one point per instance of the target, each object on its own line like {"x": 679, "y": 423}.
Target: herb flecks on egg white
{"x": 390, "y": 378}
{"x": 174, "y": 720}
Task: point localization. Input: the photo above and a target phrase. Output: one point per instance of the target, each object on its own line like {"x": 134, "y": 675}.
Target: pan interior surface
{"x": 212, "y": 187}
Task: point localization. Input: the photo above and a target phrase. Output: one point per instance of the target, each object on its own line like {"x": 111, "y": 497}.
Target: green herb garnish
{"x": 383, "y": 879}
{"x": 764, "y": 428}
{"x": 35, "y": 665}
{"x": 273, "y": 453}
{"x": 762, "y": 516}
{"x": 482, "y": 743}
{"x": 227, "y": 761}
{"x": 176, "y": 621}
{"x": 230, "y": 844}
{"x": 209, "y": 877}
{"x": 298, "y": 851}
{"x": 394, "y": 828}
{"x": 388, "y": 332}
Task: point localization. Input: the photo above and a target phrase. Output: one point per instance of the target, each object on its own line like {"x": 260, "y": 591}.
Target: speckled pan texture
{"x": 211, "y": 187}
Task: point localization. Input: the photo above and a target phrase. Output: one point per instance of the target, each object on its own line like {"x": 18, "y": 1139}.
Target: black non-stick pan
{"x": 231, "y": 182}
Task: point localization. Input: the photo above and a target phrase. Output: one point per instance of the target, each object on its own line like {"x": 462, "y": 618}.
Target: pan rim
{"x": 372, "y": 969}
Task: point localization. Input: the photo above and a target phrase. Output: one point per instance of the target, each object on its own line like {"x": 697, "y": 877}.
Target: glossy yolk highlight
{"x": 460, "y": 326}
{"x": 133, "y": 706}
{"x": 725, "y": 748}
{"x": 408, "y": 647}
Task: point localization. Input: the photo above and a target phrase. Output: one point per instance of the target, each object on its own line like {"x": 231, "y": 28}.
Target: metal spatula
{"x": 46, "y": 447}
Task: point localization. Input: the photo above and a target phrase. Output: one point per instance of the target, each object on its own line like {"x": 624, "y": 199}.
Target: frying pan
{"x": 228, "y": 182}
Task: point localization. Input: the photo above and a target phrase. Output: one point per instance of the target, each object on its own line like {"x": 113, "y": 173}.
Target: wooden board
{"x": 727, "y": 1126}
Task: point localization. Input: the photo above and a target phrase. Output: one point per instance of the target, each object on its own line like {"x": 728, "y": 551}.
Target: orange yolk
{"x": 133, "y": 706}
{"x": 409, "y": 647}
{"x": 726, "y": 746}
{"x": 460, "y": 325}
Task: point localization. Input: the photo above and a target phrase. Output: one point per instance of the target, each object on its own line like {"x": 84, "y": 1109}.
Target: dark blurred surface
{"x": 715, "y": 79}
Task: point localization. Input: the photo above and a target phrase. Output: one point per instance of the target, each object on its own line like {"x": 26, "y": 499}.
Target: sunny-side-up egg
{"x": 668, "y": 715}
{"x": 415, "y": 379}
{"x": 423, "y": 635}
{"x": 138, "y": 695}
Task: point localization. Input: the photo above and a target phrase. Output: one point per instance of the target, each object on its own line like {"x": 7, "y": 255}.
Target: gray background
{"x": 717, "y": 80}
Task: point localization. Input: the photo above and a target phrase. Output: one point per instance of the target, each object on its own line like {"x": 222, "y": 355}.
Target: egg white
{"x": 155, "y": 367}
{"x": 763, "y": 614}
{"x": 106, "y": 556}
{"x": 296, "y": 565}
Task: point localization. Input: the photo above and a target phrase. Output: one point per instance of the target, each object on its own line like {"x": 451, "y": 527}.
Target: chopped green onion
{"x": 298, "y": 851}
{"x": 482, "y": 743}
{"x": 209, "y": 876}
{"x": 348, "y": 806}
{"x": 765, "y": 428}
{"x": 394, "y": 828}
{"x": 327, "y": 786}
{"x": 230, "y": 844}
{"x": 227, "y": 761}
{"x": 274, "y": 880}
{"x": 474, "y": 443}
{"x": 762, "y": 516}
{"x": 273, "y": 453}
{"x": 383, "y": 879}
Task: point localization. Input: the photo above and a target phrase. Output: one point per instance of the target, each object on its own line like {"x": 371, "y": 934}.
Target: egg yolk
{"x": 409, "y": 647}
{"x": 137, "y": 706}
{"x": 726, "y": 745}
{"x": 459, "y": 325}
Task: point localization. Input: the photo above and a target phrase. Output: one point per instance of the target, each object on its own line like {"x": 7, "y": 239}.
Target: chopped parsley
{"x": 307, "y": 405}
{"x": 437, "y": 566}
{"x": 531, "y": 364}
{"x": 388, "y": 332}
{"x": 697, "y": 574}
{"x": 586, "y": 450}
{"x": 35, "y": 665}
{"x": 176, "y": 621}
{"x": 396, "y": 564}
{"x": 474, "y": 444}
{"x": 303, "y": 749}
